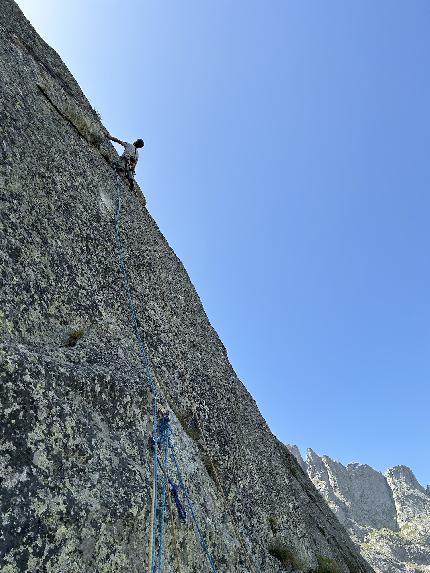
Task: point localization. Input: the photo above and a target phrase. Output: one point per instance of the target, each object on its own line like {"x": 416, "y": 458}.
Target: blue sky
{"x": 286, "y": 161}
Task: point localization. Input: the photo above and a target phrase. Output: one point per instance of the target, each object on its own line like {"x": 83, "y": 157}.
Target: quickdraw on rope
{"x": 179, "y": 507}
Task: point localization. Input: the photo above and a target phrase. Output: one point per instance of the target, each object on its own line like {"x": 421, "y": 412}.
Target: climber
{"x": 129, "y": 159}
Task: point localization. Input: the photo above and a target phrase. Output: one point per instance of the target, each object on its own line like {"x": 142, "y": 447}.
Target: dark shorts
{"x": 125, "y": 166}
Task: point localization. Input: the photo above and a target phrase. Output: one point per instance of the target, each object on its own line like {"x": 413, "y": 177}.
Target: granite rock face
{"x": 75, "y": 420}
{"x": 388, "y": 516}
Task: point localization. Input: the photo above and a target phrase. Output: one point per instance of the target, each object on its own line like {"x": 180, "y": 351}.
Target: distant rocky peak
{"x": 411, "y": 499}
{"x": 296, "y": 453}
{"x": 387, "y": 515}
{"x": 357, "y": 493}
{"x": 404, "y": 477}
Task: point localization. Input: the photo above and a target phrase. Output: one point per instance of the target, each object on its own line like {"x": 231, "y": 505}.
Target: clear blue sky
{"x": 287, "y": 163}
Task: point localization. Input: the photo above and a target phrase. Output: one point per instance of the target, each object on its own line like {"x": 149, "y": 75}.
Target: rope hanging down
{"x": 148, "y": 371}
{"x": 172, "y": 527}
{"x": 160, "y": 435}
{"x": 164, "y": 442}
{"x": 191, "y": 508}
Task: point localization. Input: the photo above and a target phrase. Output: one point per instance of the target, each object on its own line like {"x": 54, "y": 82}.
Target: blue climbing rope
{"x": 191, "y": 508}
{"x": 132, "y": 307}
{"x": 164, "y": 431}
{"x": 155, "y": 478}
{"x": 163, "y": 434}
{"x": 146, "y": 363}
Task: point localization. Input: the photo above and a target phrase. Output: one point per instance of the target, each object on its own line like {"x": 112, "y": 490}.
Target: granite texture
{"x": 75, "y": 451}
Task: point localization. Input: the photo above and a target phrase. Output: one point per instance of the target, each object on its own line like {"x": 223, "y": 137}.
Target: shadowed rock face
{"x": 387, "y": 515}
{"x": 75, "y": 414}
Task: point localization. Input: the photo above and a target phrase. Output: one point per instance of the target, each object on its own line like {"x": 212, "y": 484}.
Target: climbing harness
{"x": 161, "y": 433}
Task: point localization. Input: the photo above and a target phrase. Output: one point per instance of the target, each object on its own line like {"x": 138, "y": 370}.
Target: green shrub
{"x": 74, "y": 336}
{"x": 211, "y": 467}
{"x": 285, "y": 555}
{"x": 189, "y": 424}
{"x": 326, "y": 565}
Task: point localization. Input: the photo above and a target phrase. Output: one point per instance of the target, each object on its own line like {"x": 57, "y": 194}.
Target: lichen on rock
{"x": 75, "y": 420}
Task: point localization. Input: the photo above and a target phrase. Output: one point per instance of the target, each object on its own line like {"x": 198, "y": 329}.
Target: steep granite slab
{"x": 75, "y": 412}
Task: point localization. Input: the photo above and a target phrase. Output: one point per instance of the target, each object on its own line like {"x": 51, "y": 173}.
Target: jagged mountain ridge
{"x": 75, "y": 412}
{"x": 387, "y": 515}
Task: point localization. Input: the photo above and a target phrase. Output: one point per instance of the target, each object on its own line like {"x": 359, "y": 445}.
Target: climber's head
{"x": 139, "y": 143}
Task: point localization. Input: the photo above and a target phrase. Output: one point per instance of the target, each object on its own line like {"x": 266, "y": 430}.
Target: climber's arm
{"x": 112, "y": 138}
